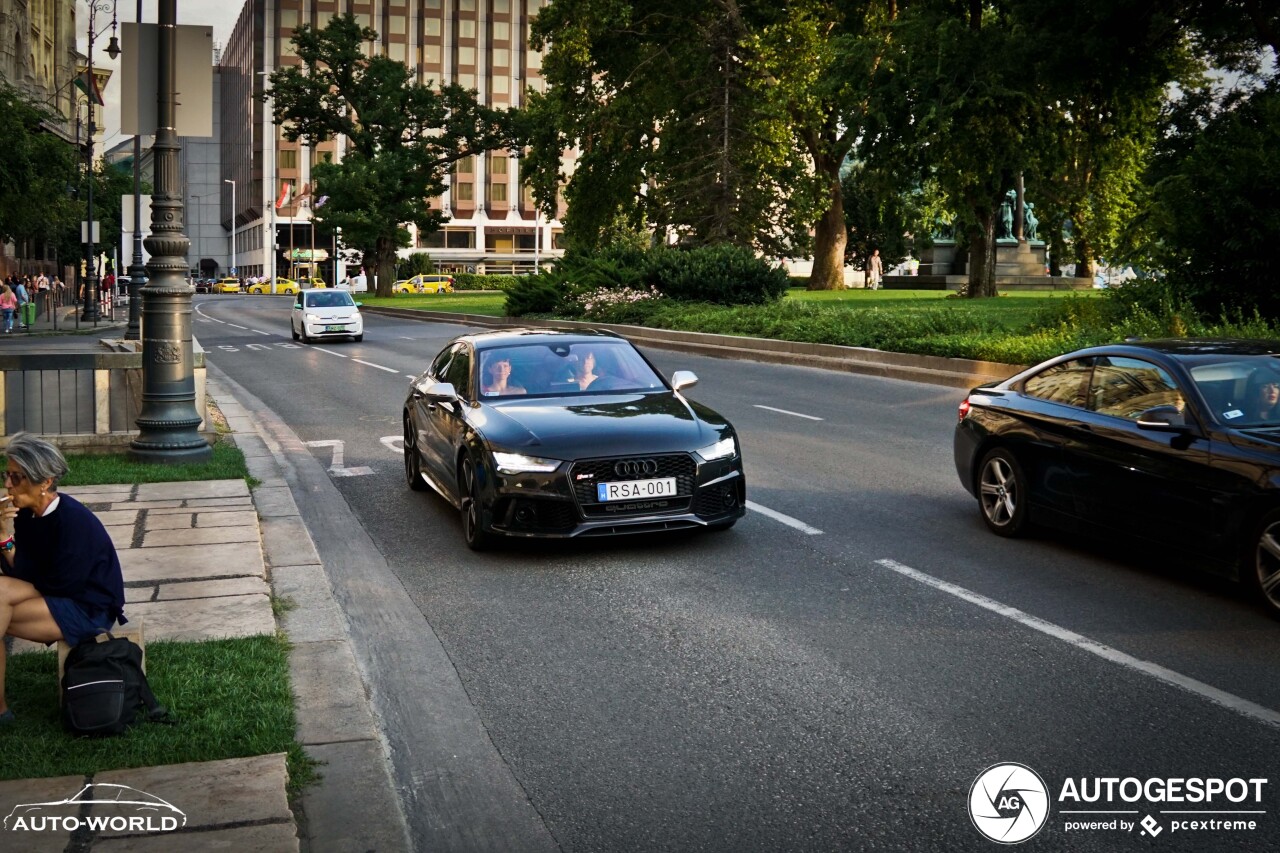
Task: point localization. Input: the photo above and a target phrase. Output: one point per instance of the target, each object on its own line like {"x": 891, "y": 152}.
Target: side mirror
{"x": 683, "y": 379}
{"x": 1163, "y": 419}
{"x": 439, "y": 391}
{"x": 358, "y": 304}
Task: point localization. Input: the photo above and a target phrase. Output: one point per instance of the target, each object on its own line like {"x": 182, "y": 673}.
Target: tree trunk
{"x": 829, "y": 240}
{"x": 386, "y": 265}
{"x": 982, "y": 255}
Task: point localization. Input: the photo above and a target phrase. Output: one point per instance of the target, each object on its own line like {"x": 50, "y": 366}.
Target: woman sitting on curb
{"x": 61, "y": 578}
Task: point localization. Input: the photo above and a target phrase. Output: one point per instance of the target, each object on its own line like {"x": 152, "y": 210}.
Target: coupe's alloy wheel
{"x": 1266, "y": 563}
{"x": 1001, "y": 489}
{"x": 472, "y": 530}
{"x": 412, "y": 465}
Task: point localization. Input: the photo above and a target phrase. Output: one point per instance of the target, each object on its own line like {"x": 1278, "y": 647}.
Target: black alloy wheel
{"x": 472, "y": 530}
{"x": 412, "y": 462}
{"x": 1002, "y": 494}
{"x": 1262, "y": 567}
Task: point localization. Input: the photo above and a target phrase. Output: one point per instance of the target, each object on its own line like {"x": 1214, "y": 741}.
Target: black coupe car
{"x": 540, "y": 433}
{"x": 1176, "y": 442}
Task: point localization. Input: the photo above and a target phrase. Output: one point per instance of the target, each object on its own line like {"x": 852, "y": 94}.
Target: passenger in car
{"x": 1263, "y": 397}
{"x": 584, "y": 372}
{"x": 498, "y": 379}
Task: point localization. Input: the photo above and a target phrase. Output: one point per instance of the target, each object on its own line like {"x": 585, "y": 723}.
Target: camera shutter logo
{"x": 1008, "y": 803}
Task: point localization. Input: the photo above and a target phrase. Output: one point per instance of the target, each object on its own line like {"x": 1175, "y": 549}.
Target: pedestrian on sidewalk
{"x": 8, "y": 305}
{"x": 875, "y": 269}
{"x": 64, "y": 582}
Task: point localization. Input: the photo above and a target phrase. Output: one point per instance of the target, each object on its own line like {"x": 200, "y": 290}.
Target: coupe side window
{"x": 441, "y": 364}
{"x": 1062, "y": 383}
{"x": 459, "y": 373}
{"x": 1126, "y": 387}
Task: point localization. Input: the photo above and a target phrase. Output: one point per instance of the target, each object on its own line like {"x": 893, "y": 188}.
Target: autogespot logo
{"x": 1008, "y": 803}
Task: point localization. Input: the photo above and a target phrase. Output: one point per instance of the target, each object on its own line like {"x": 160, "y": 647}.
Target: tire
{"x": 473, "y": 532}
{"x": 358, "y": 338}
{"x": 1261, "y": 569}
{"x": 412, "y": 462}
{"x": 306, "y": 339}
{"x": 1003, "y": 494}
{"x": 293, "y": 332}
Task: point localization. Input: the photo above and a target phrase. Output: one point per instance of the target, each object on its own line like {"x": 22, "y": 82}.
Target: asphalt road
{"x": 832, "y": 674}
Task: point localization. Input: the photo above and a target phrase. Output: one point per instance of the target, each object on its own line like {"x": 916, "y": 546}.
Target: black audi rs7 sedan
{"x": 544, "y": 433}
{"x": 1176, "y": 442}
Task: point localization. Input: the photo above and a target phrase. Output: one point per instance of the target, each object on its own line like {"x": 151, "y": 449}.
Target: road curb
{"x": 929, "y": 369}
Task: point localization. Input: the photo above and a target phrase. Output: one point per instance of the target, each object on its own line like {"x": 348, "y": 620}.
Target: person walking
{"x": 8, "y": 305}
{"x": 875, "y": 269}
{"x": 23, "y": 298}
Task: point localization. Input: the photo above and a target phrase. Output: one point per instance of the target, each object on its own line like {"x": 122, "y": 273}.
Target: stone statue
{"x": 944, "y": 230}
{"x": 1006, "y": 216}
{"x": 1029, "y": 221}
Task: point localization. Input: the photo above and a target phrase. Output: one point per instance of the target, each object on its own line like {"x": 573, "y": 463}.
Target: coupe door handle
{"x": 1082, "y": 427}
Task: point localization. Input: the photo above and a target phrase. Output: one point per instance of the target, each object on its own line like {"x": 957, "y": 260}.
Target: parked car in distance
{"x": 282, "y": 285}
{"x": 204, "y": 285}
{"x": 554, "y": 434}
{"x": 1175, "y": 443}
{"x": 319, "y": 314}
{"x": 228, "y": 284}
{"x": 424, "y": 284}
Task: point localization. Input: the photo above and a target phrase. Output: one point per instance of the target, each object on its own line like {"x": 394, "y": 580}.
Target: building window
{"x": 396, "y": 52}
{"x": 498, "y": 164}
{"x": 466, "y": 28}
{"x": 502, "y": 7}
{"x": 464, "y": 166}
{"x": 501, "y": 31}
{"x": 433, "y": 27}
{"x": 463, "y": 192}
{"x": 467, "y": 56}
{"x": 431, "y": 4}
{"x": 466, "y": 5}
{"x": 467, "y": 81}
{"x": 288, "y": 159}
{"x": 289, "y": 19}
{"x": 499, "y": 84}
{"x": 397, "y": 25}
{"x": 501, "y": 57}
{"x": 431, "y": 54}
{"x": 498, "y": 192}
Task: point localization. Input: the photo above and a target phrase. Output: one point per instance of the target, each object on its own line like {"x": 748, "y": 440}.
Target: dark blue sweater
{"x": 68, "y": 554}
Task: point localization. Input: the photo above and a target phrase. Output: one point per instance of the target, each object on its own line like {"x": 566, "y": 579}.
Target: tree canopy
{"x": 402, "y": 136}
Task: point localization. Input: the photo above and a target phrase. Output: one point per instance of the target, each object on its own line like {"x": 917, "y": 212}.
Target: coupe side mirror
{"x": 683, "y": 379}
{"x": 1163, "y": 419}
{"x": 438, "y": 391}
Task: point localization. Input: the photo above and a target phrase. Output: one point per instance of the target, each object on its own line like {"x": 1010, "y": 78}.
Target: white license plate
{"x": 633, "y": 489}
{"x": 335, "y": 328}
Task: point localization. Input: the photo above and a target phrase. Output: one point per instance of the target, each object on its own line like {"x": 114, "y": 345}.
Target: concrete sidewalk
{"x": 201, "y": 560}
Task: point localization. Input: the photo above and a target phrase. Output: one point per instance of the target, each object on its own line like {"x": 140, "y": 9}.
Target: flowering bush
{"x": 610, "y": 305}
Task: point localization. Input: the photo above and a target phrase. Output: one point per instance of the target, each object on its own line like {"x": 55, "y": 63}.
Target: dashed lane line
{"x": 371, "y": 364}
{"x": 787, "y": 412}
{"x": 785, "y": 519}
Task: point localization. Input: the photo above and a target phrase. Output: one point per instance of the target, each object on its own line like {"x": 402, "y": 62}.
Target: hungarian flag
{"x": 286, "y": 190}
{"x": 88, "y": 84}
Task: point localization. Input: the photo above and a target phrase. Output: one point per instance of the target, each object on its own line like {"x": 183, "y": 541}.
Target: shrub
{"x": 533, "y": 294}
{"x": 724, "y": 275}
{"x": 474, "y": 281}
{"x": 616, "y": 305}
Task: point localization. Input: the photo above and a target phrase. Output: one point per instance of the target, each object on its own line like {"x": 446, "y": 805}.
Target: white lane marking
{"x": 336, "y": 468}
{"x": 329, "y": 351}
{"x": 234, "y": 326}
{"x": 786, "y": 412}
{"x": 411, "y": 376}
{"x": 371, "y": 364}
{"x": 785, "y": 519}
{"x": 260, "y": 332}
{"x": 1160, "y": 673}
{"x": 394, "y": 443}
{"x": 199, "y": 309}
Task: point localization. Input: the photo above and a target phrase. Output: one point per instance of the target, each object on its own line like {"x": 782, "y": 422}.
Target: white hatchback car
{"x": 325, "y": 314}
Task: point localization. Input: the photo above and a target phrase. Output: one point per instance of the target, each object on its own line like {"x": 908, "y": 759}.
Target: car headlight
{"x": 313, "y": 318}
{"x": 722, "y": 449}
{"x": 516, "y": 463}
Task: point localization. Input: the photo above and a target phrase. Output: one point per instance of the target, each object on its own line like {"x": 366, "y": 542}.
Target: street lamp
{"x": 137, "y": 272}
{"x": 233, "y": 223}
{"x": 91, "y": 294}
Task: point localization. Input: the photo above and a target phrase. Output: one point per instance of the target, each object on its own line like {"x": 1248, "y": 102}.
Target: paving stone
{"x": 121, "y": 536}
{"x": 226, "y": 517}
{"x": 252, "y": 446}
{"x": 285, "y": 541}
{"x": 118, "y": 517}
{"x": 213, "y": 589}
{"x": 331, "y": 705}
{"x": 157, "y": 520}
{"x": 98, "y": 494}
{"x": 193, "y": 489}
{"x": 201, "y": 536}
{"x": 138, "y": 594}
{"x": 332, "y": 825}
{"x": 25, "y": 791}
{"x": 185, "y": 563}
{"x": 206, "y": 618}
{"x": 173, "y": 504}
{"x": 316, "y": 616}
{"x": 267, "y": 838}
{"x": 206, "y": 505}
{"x": 214, "y": 793}
{"x": 261, "y": 467}
{"x": 274, "y": 500}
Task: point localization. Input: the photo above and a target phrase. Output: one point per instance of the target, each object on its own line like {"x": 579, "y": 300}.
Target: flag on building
{"x": 320, "y": 201}
{"x": 286, "y": 191}
{"x": 88, "y": 84}
{"x": 304, "y": 195}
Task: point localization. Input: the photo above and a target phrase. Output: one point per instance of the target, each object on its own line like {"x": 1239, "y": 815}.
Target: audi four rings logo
{"x": 1009, "y": 803}
{"x": 636, "y": 468}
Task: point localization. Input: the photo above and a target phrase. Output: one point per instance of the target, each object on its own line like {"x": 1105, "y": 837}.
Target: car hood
{"x": 601, "y": 425}
{"x": 345, "y": 312}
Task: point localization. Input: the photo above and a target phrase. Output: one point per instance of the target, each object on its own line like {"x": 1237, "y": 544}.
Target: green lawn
{"x": 462, "y": 302}
{"x": 93, "y": 469}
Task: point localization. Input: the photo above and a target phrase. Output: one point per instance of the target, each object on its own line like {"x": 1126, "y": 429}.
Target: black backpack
{"x": 103, "y": 686}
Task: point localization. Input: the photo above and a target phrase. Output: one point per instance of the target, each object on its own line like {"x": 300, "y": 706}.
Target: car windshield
{"x": 330, "y": 299}
{"x": 1239, "y": 391}
{"x": 563, "y": 369}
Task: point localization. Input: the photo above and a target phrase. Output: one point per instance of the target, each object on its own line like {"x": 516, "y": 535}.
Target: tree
{"x": 403, "y": 137}
{"x": 878, "y": 215}
{"x": 38, "y": 176}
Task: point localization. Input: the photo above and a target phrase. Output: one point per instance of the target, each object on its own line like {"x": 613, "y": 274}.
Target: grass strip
{"x": 97, "y": 469}
{"x": 231, "y": 698}
{"x": 488, "y": 304}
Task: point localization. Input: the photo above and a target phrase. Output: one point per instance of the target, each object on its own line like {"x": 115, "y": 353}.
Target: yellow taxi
{"x": 282, "y": 285}
{"x": 315, "y": 282}
{"x": 424, "y": 284}
{"x": 227, "y": 284}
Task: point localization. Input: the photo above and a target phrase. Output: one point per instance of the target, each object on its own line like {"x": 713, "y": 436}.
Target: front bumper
{"x": 333, "y": 328}
{"x": 555, "y": 506}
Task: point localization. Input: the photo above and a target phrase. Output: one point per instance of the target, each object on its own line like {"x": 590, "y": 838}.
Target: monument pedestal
{"x": 1020, "y": 265}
